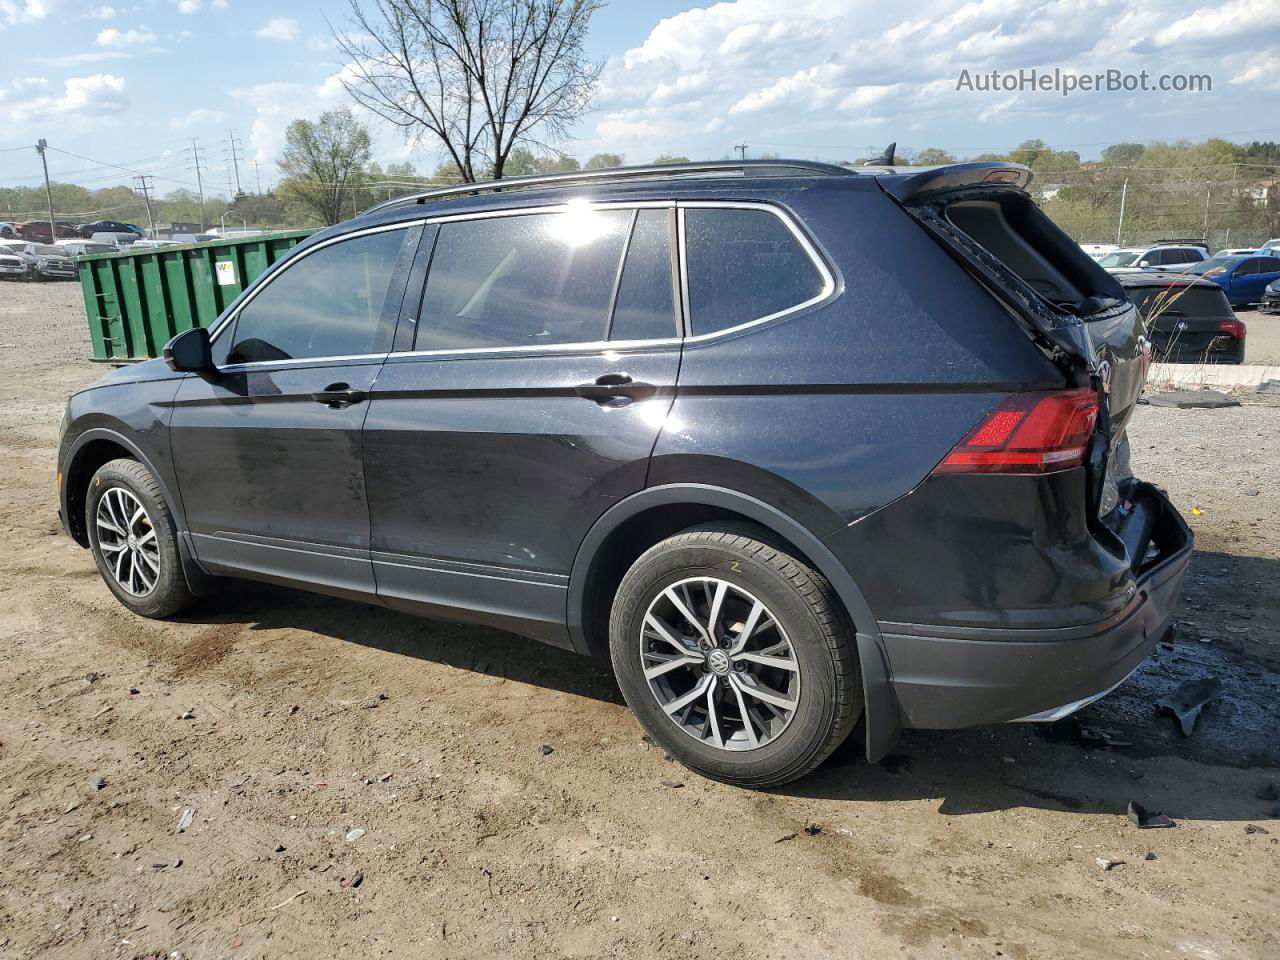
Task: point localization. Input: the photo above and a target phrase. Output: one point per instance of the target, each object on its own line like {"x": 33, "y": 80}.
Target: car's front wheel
{"x": 735, "y": 655}
{"x": 134, "y": 540}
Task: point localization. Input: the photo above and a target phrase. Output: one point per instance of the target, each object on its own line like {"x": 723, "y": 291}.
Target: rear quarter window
{"x": 744, "y": 264}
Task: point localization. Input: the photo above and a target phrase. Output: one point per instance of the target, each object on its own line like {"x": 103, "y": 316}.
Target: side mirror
{"x": 1144, "y": 263}
{"x": 189, "y": 352}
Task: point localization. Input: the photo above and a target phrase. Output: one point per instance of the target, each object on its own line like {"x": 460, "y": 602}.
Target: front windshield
{"x": 1121, "y": 259}
{"x": 47, "y": 250}
{"x": 1211, "y": 268}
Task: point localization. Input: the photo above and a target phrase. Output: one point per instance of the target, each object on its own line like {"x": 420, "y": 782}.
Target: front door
{"x": 543, "y": 367}
{"x": 268, "y": 453}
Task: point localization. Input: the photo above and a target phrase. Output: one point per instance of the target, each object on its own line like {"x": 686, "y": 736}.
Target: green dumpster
{"x": 137, "y": 301}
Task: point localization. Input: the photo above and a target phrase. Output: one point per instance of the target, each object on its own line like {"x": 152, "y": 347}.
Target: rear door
{"x": 268, "y": 453}
{"x": 527, "y": 400}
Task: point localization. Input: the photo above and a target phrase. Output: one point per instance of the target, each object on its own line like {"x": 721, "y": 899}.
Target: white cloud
{"x": 81, "y": 97}
{"x": 188, "y": 6}
{"x": 1220, "y": 20}
{"x": 111, "y": 37}
{"x": 280, "y": 28}
{"x": 197, "y": 118}
{"x": 73, "y": 59}
{"x": 794, "y": 76}
{"x": 16, "y": 12}
{"x": 102, "y": 13}
{"x": 1261, "y": 73}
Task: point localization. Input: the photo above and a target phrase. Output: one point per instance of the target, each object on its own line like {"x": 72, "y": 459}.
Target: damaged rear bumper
{"x": 948, "y": 677}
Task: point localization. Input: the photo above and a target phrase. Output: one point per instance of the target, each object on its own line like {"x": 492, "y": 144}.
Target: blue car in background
{"x": 1245, "y": 279}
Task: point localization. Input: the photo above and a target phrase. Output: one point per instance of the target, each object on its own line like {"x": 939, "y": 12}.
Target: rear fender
{"x": 882, "y": 723}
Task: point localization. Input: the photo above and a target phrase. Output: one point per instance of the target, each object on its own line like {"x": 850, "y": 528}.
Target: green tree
{"x": 602, "y": 161}
{"x": 932, "y": 155}
{"x": 670, "y": 158}
{"x": 1123, "y": 154}
{"x": 324, "y": 164}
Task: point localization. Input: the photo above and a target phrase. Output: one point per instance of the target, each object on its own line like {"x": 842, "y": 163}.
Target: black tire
{"x": 804, "y": 604}
{"x": 169, "y": 593}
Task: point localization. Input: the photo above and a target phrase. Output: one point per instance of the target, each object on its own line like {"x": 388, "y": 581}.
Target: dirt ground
{"x": 356, "y": 783}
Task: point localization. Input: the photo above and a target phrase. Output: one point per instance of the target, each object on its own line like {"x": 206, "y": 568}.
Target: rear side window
{"x": 327, "y": 304}
{"x": 645, "y": 308}
{"x": 744, "y": 265}
{"x": 522, "y": 281}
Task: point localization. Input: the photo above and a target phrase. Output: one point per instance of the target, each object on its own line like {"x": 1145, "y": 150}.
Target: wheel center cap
{"x": 133, "y": 542}
{"x": 718, "y": 662}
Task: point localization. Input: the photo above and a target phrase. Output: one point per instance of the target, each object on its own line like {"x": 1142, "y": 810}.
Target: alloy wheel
{"x": 719, "y": 663}
{"x": 127, "y": 541}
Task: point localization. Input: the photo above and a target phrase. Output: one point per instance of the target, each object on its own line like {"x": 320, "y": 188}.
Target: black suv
{"x": 792, "y": 444}
{"x": 87, "y": 230}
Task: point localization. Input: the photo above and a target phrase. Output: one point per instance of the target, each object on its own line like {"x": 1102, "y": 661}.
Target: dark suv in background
{"x": 793, "y": 445}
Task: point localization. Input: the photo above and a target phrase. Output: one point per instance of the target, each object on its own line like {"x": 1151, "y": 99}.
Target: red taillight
{"x": 1232, "y": 328}
{"x": 1028, "y": 433}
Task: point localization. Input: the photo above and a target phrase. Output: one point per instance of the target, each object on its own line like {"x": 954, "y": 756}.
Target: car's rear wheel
{"x": 735, "y": 655}
{"x": 134, "y": 540}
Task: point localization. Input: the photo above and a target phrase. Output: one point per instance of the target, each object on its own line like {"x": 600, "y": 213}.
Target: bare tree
{"x": 323, "y": 163}
{"x": 478, "y": 76}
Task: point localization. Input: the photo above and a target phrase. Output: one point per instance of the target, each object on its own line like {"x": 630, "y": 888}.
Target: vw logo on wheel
{"x": 719, "y": 662}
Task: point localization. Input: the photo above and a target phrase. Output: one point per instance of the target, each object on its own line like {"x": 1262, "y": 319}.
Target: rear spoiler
{"x": 906, "y": 186}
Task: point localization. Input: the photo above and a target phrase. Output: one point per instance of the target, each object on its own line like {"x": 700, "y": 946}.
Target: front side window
{"x": 327, "y": 304}
{"x": 522, "y": 280}
{"x": 743, "y": 265}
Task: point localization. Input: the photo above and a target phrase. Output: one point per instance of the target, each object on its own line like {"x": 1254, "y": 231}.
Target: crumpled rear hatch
{"x": 1057, "y": 294}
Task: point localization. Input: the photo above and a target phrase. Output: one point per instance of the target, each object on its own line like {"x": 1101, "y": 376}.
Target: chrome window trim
{"x": 218, "y": 328}
{"x": 829, "y": 288}
{"x": 561, "y": 207}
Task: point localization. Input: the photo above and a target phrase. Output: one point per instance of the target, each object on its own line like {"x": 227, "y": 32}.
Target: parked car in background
{"x": 144, "y": 244}
{"x": 80, "y": 248}
{"x": 45, "y": 260}
{"x": 117, "y": 240}
{"x": 8, "y": 231}
{"x": 1235, "y": 252}
{"x": 1188, "y": 318}
{"x": 679, "y": 456}
{"x": 1153, "y": 257}
{"x": 1244, "y": 279}
{"x": 1271, "y": 298}
{"x": 1098, "y": 250}
{"x": 14, "y": 264}
{"x": 87, "y": 230}
{"x": 1270, "y": 247}
{"x": 196, "y": 237}
{"x": 37, "y": 231}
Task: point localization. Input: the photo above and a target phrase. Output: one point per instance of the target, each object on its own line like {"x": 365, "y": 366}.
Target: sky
{"x": 132, "y": 82}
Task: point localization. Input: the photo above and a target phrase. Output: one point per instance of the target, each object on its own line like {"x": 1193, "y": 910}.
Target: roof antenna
{"x": 885, "y": 159}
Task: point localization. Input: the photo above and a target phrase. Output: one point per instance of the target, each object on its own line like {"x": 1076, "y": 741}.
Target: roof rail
{"x": 711, "y": 168}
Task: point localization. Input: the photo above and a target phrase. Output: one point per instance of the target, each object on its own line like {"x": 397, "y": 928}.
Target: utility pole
{"x": 195, "y": 155}
{"x": 1124, "y": 190}
{"x": 145, "y": 187}
{"x": 41, "y": 144}
{"x": 1208, "y": 191}
{"x": 742, "y": 150}
{"x": 257, "y": 172}
{"x": 235, "y": 158}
